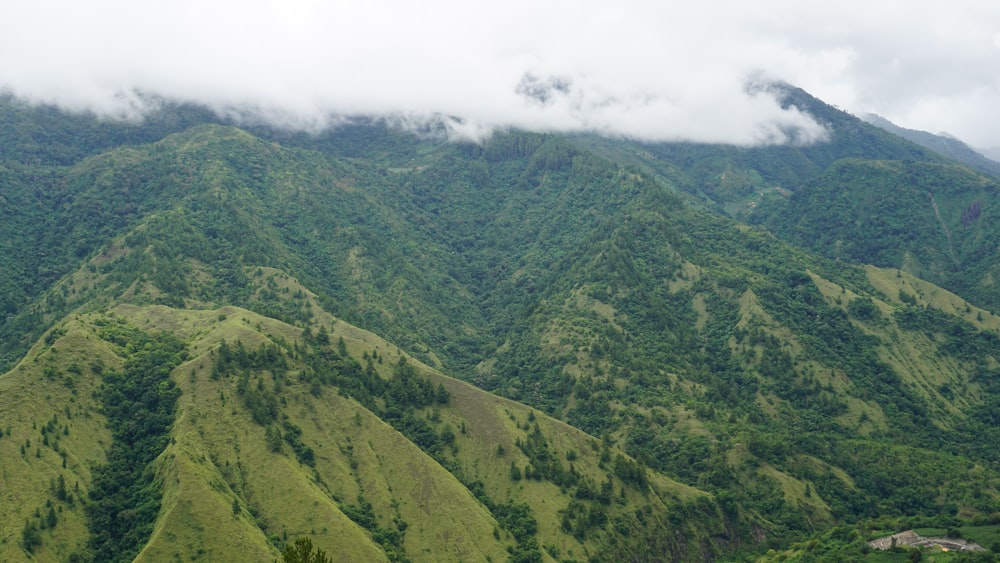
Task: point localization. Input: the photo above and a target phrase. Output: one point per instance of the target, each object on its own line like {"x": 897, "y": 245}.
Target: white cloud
{"x": 638, "y": 68}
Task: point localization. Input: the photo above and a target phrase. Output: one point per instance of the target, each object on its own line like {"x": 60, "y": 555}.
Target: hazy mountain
{"x": 538, "y": 348}
{"x": 940, "y": 143}
{"x": 993, "y": 153}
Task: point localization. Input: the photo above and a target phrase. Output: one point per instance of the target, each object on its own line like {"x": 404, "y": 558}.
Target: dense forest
{"x": 537, "y": 348}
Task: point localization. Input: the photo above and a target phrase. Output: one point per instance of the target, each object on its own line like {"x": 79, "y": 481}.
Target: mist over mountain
{"x": 219, "y": 337}
{"x": 634, "y": 69}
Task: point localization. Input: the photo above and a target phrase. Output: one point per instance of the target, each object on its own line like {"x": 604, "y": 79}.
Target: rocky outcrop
{"x": 910, "y": 538}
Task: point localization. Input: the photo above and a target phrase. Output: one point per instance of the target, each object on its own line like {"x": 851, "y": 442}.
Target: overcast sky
{"x": 646, "y": 69}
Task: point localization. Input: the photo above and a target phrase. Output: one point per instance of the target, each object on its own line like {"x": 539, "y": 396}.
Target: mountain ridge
{"x": 941, "y": 143}
{"x": 739, "y": 392}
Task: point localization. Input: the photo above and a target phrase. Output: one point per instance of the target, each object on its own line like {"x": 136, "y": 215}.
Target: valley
{"x": 220, "y": 338}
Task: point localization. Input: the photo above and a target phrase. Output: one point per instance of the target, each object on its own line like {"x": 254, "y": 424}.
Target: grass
{"x": 227, "y": 496}
{"x": 225, "y": 459}
{"x": 45, "y": 385}
{"x": 912, "y": 354}
{"x": 890, "y": 281}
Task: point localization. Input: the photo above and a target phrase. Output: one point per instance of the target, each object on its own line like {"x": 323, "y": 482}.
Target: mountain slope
{"x": 338, "y": 471}
{"x": 737, "y": 180}
{"x": 933, "y": 220}
{"x": 942, "y": 144}
{"x": 758, "y": 389}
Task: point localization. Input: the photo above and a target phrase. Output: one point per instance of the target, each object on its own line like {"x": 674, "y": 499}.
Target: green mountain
{"x": 739, "y": 180}
{"x": 932, "y": 220}
{"x": 541, "y": 348}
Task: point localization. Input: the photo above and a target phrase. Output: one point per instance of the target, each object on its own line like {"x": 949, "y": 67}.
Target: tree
{"x": 323, "y": 336}
{"x": 30, "y": 537}
{"x": 515, "y": 472}
{"x": 51, "y": 519}
{"x": 302, "y": 552}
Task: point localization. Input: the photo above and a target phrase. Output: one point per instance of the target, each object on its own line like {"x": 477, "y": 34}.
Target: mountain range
{"x": 218, "y": 337}
{"x": 942, "y": 143}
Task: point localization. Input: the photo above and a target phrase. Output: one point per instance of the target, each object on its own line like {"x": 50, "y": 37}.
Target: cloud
{"x": 633, "y": 68}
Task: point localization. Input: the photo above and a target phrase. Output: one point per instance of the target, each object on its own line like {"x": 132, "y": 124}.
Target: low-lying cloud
{"x": 639, "y": 69}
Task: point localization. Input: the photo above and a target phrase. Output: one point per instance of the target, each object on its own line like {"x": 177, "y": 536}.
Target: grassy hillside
{"x": 280, "y": 432}
{"x": 667, "y": 383}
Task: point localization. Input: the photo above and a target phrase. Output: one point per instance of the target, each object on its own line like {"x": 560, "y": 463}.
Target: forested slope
{"x": 686, "y": 386}
{"x": 932, "y": 220}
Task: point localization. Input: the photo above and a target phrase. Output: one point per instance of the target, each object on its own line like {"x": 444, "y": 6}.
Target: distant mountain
{"x": 540, "y": 348}
{"x": 941, "y": 143}
{"x": 993, "y": 153}
{"x": 738, "y": 180}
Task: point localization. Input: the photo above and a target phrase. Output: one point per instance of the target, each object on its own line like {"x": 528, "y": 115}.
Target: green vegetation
{"x": 302, "y": 552}
{"x": 848, "y": 543}
{"x": 738, "y": 393}
{"x": 930, "y": 219}
{"x": 139, "y": 405}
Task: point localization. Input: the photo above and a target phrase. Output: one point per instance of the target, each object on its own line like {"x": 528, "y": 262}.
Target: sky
{"x": 651, "y": 70}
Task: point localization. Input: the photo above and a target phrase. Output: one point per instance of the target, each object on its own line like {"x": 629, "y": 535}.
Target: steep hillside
{"x": 932, "y": 220}
{"x": 277, "y": 435}
{"x": 675, "y": 384}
